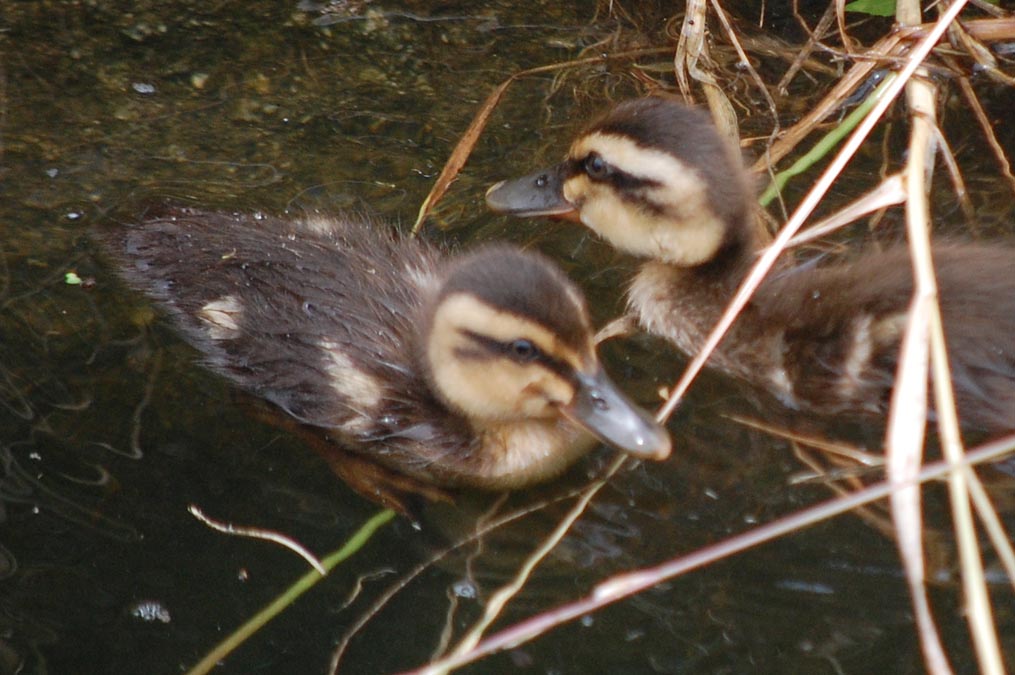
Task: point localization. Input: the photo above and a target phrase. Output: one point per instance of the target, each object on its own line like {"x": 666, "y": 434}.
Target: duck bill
{"x": 602, "y": 409}
{"x": 538, "y": 194}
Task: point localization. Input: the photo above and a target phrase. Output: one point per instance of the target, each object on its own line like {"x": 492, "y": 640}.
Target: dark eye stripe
{"x": 466, "y": 354}
{"x": 621, "y": 180}
{"x": 639, "y": 198}
{"x": 487, "y": 348}
{"x": 630, "y": 189}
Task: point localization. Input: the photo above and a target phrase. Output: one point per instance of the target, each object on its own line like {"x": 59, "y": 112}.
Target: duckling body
{"x": 827, "y": 339}
{"x": 654, "y": 178}
{"x": 477, "y": 370}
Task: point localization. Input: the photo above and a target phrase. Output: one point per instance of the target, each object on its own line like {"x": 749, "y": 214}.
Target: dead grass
{"x": 908, "y": 51}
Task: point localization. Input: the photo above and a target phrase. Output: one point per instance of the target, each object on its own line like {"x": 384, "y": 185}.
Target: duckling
{"x": 477, "y": 370}
{"x": 654, "y": 178}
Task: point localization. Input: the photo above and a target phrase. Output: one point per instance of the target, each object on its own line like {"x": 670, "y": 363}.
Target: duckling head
{"x": 509, "y": 340}
{"x": 653, "y": 177}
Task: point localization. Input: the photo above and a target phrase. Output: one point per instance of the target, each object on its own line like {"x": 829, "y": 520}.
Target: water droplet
{"x": 149, "y": 611}
{"x": 464, "y": 589}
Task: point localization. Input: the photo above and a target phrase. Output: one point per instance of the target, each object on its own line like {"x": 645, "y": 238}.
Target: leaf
{"x": 872, "y": 7}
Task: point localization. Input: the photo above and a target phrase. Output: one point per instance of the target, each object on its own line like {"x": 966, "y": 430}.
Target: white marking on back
{"x": 322, "y": 224}
{"x": 359, "y": 390}
{"x": 424, "y": 279}
{"x": 222, "y": 317}
{"x": 858, "y": 358}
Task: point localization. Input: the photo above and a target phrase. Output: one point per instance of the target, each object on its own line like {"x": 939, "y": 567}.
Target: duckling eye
{"x": 596, "y": 167}
{"x": 523, "y": 350}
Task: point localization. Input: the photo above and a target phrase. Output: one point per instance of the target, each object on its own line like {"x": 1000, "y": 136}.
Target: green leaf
{"x": 872, "y": 7}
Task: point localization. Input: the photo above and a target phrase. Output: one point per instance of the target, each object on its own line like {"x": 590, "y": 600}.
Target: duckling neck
{"x": 517, "y": 453}
{"x": 728, "y": 267}
{"x": 716, "y": 279}
{"x": 682, "y": 304}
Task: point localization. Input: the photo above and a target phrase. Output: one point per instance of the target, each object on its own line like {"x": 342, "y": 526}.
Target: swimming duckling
{"x": 477, "y": 370}
{"x": 654, "y": 178}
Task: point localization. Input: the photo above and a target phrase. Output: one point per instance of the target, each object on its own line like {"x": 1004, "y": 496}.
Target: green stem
{"x": 354, "y": 544}
{"x": 825, "y": 145}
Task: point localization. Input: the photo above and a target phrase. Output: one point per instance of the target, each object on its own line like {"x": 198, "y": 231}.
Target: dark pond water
{"x": 109, "y": 429}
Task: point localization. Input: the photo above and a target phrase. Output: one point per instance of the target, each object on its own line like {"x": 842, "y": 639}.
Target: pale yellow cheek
{"x": 620, "y": 225}
{"x": 533, "y": 404}
{"x": 575, "y": 189}
{"x": 506, "y": 391}
{"x": 491, "y": 392}
{"x": 542, "y": 396}
{"x": 557, "y": 391}
{"x": 604, "y": 213}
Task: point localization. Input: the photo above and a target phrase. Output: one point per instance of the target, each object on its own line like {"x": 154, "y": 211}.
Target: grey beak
{"x": 538, "y": 194}
{"x": 606, "y": 412}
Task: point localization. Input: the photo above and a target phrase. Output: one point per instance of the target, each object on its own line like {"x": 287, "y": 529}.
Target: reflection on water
{"x": 110, "y": 428}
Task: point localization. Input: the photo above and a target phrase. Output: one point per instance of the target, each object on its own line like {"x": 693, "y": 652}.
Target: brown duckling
{"x": 475, "y": 370}
{"x": 654, "y": 178}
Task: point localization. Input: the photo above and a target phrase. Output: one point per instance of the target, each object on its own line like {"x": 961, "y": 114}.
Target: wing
{"x": 316, "y": 316}
{"x": 843, "y": 327}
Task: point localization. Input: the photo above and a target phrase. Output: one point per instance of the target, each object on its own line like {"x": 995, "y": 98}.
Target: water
{"x": 109, "y": 429}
